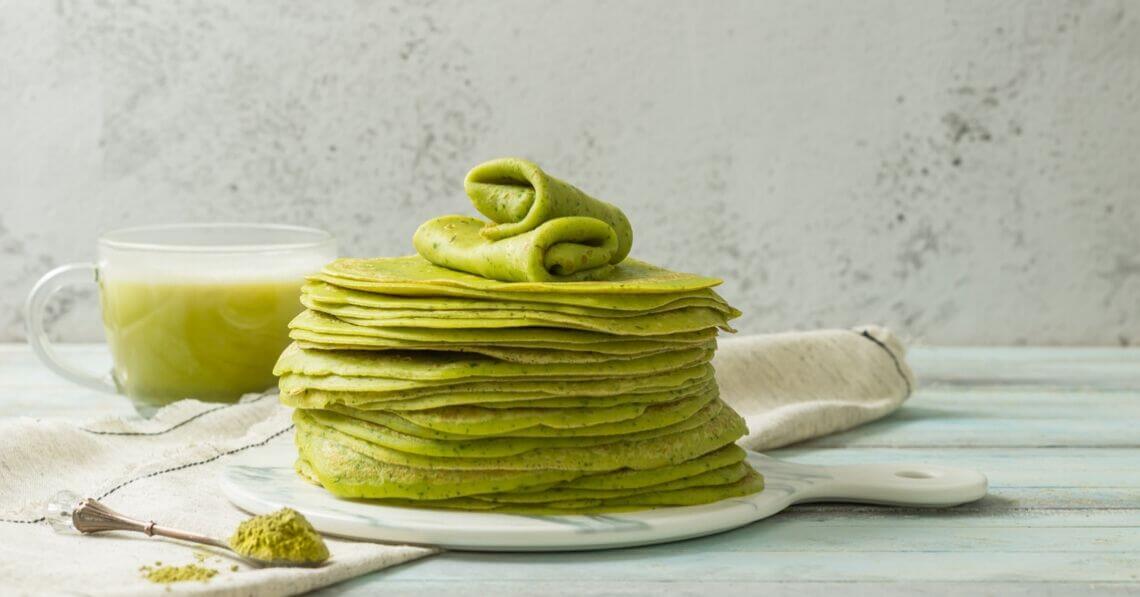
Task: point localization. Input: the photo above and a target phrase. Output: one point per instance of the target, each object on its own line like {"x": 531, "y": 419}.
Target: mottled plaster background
{"x": 965, "y": 172}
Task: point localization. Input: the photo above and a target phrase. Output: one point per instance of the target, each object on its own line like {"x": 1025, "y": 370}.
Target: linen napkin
{"x": 789, "y": 387}
{"x": 795, "y": 386}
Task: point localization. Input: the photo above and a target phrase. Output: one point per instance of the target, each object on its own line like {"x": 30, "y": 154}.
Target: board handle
{"x": 915, "y": 485}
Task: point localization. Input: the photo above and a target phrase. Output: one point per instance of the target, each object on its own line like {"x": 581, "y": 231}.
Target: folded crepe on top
{"x": 563, "y": 249}
{"x": 522, "y": 365}
{"x": 519, "y": 197}
{"x": 541, "y": 229}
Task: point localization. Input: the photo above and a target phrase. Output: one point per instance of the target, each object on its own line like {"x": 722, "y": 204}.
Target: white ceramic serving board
{"x": 263, "y": 480}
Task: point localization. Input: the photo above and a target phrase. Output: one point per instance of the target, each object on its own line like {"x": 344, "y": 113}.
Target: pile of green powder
{"x": 169, "y": 574}
{"x": 284, "y": 535}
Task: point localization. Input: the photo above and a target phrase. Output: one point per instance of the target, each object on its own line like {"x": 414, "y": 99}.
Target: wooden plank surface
{"x": 1056, "y": 430}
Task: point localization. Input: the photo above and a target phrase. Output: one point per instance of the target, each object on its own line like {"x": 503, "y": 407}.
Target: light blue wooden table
{"x": 1056, "y": 430}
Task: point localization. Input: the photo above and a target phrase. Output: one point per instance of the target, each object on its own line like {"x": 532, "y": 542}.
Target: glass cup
{"x": 190, "y": 310}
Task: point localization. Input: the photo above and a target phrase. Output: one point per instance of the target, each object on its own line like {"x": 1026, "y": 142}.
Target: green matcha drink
{"x": 190, "y": 310}
{"x": 208, "y": 339}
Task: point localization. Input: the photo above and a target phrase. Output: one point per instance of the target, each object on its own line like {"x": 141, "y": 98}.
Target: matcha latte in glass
{"x": 190, "y": 310}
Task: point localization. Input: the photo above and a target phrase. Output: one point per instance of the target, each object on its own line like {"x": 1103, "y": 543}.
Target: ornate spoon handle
{"x": 91, "y": 516}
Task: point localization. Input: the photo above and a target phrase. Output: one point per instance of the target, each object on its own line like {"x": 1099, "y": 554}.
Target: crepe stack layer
{"x": 419, "y": 385}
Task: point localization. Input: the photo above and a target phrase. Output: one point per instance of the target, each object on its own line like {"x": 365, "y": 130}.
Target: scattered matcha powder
{"x": 169, "y": 574}
{"x": 283, "y": 535}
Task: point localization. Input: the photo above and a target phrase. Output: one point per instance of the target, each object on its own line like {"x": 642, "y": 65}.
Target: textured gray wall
{"x": 965, "y": 172}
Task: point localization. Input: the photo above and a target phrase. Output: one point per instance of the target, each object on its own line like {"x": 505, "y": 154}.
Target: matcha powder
{"x": 284, "y": 535}
{"x": 169, "y": 574}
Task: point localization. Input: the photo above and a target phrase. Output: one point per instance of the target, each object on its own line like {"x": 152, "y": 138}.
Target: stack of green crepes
{"x": 522, "y": 365}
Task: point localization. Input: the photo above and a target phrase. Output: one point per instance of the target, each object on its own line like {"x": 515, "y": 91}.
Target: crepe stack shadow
{"x": 418, "y": 385}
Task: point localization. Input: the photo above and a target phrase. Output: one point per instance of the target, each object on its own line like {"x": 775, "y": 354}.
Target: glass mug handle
{"x": 36, "y": 307}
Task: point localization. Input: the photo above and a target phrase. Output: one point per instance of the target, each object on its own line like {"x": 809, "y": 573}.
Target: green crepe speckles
{"x": 537, "y": 337}
{"x": 721, "y": 476}
{"x": 377, "y": 389}
{"x": 463, "y": 423}
{"x": 346, "y": 473}
{"x": 560, "y": 250}
{"x": 636, "y": 397}
{"x": 367, "y": 426}
{"x": 415, "y": 276}
{"x": 452, "y": 422}
{"x": 751, "y": 483}
{"x": 692, "y": 496}
{"x": 337, "y": 463}
{"x": 506, "y": 396}
{"x": 685, "y": 319}
{"x": 522, "y": 454}
{"x": 608, "y": 306}
{"x": 688, "y": 319}
{"x": 592, "y": 420}
{"x": 311, "y": 341}
{"x": 445, "y": 366}
{"x": 627, "y": 478}
{"x": 518, "y": 196}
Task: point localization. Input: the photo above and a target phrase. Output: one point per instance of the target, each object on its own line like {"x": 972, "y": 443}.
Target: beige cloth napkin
{"x": 798, "y": 385}
{"x": 790, "y": 387}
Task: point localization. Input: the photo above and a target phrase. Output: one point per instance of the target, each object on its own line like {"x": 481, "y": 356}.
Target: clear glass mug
{"x": 189, "y": 310}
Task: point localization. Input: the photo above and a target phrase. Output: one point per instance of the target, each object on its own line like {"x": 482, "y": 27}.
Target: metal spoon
{"x": 91, "y": 516}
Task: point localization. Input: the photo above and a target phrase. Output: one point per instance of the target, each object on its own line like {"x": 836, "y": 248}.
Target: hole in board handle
{"x": 914, "y": 475}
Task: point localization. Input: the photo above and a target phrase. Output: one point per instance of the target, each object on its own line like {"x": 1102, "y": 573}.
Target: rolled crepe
{"x": 561, "y": 250}
{"x": 519, "y": 197}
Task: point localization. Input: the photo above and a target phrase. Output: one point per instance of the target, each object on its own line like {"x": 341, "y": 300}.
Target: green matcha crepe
{"x": 523, "y": 365}
{"x": 412, "y": 275}
{"x": 519, "y": 197}
{"x": 717, "y": 426}
{"x": 687, "y": 319}
{"x": 524, "y": 422}
{"x": 379, "y": 389}
{"x": 315, "y": 322}
{"x": 541, "y": 229}
{"x": 614, "y": 307}
{"x": 306, "y": 392}
{"x": 561, "y": 250}
{"x": 718, "y": 475}
{"x": 341, "y": 465}
{"x": 431, "y": 367}
{"x": 601, "y": 424}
